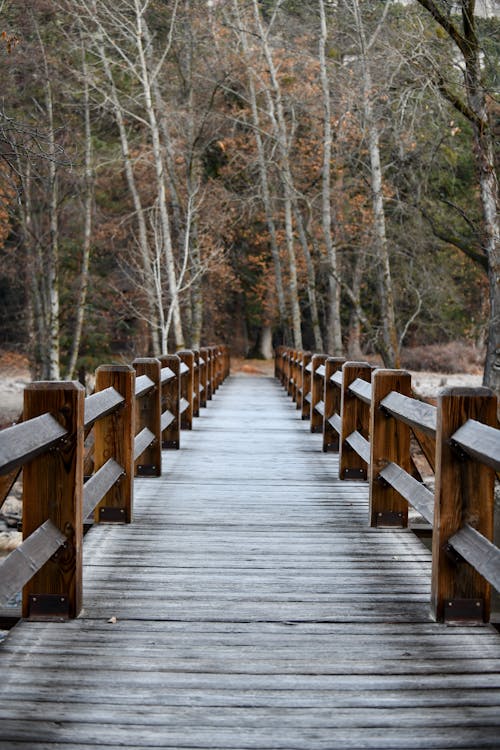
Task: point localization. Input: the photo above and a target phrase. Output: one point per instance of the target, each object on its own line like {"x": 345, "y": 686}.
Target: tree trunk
{"x": 334, "y": 328}
{"x": 475, "y": 109}
{"x": 153, "y": 301}
{"x": 390, "y": 346}
{"x": 280, "y": 129}
{"x": 87, "y": 232}
{"x": 160, "y": 178}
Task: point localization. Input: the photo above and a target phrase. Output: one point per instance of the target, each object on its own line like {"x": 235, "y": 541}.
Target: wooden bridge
{"x": 250, "y": 604}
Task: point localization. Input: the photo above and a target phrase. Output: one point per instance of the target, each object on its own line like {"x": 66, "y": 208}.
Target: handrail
{"x": 26, "y": 440}
{"x": 100, "y": 404}
{"x": 56, "y": 498}
{"x": 367, "y": 416}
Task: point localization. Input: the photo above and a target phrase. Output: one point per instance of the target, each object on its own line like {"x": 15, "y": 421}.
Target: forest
{"x": 315, "y": 173}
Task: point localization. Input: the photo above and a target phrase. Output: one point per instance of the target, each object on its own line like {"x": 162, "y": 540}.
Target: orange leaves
{"x": 9, "y": 40}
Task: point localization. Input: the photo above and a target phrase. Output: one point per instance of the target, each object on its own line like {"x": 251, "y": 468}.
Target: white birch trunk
{"x": 160, "y": 178}
{"x": 87, "y": 231}
{"x": 334, "y": 328}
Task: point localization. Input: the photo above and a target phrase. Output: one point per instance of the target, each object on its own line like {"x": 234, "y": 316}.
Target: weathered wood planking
{"x": 255, "y": 609}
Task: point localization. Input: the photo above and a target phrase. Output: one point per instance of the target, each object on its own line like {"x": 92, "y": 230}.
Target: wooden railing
{"x": 134, "y": 412}
{"x": 368, "y": 415}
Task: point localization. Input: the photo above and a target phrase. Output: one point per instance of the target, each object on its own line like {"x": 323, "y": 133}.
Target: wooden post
{"x": 210, "y": 373}
{"x": 171, "y": 396}
{"x": 148, "y": 414}
{"x": 292, "y": 354}
{"x": 317, "y": 392}
{"x": 187, "y": 380}
{"x": 389, "y": 442}
{"x": 306, "y": 385}
{"x": 218, "y": 367}
{"x": 296, "y": 374}
{"x": 355, "y": 417}
{"x": 114, "y": 438}
{"x": 53, "y": 489}
{"x": 196, "y": 383}
{"x": 278, "y": 362}
{"x": 464, "y": 493}
{"x": 332, "y": 399}
{"x": 204, "y": 368}
{"x": 227, "y": 362}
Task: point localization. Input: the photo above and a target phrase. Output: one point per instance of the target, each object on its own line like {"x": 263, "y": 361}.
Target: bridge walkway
{"x": 249, "y": 606}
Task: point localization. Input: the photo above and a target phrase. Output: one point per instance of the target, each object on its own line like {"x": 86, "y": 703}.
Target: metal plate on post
{"x": 146, "y": 470}
{"x": 354, "y": 474}
{"x": 464, "y": 611}
{"x": 389, "y": 519}
{"x": 48, "y": 606}
{"x": 112, "y": 515}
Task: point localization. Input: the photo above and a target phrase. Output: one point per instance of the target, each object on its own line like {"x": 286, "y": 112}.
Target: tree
{"x": 472, "y": 103}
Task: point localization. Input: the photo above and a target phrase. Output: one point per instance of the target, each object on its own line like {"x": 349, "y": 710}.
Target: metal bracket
{"x": 354, "y": 474}
{"x": 112, "y": 515}
{"x": 390, "y": 519}
{"x": 166, "y": 444}
{"x": 463, "y": 611}
{"x": 146, "y": 470}
{"x": 452, "y": 555}
{"x": 458, "y": 450}
{"x": 48, "y": 606}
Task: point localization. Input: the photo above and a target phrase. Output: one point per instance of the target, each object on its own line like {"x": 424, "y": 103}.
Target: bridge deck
{"x": 255, "y": 609}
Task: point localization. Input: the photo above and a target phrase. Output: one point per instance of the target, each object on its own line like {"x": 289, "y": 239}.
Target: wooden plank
{"x": 320, "y": 408}
{"x": 362, "y": 389}
{"x": 99, "y": 484}
{"x": 23, "y": 442}
{"x": 101, "y": 404}
{"x": 167, "y": 375}
{"x": 411, "y": 489}
{"x": 336, "y": 422}
{"x": 479, "y": 552}
{"x": 479, "y": 441}
{"x": 414, "y": 413}
{"x": 19, "y": 567}
{"x": 337, "y": 378}
{"x": 142, "y": 441}
{"x": 359, "y": 444}
{"x": 166, "y": 419}
{"x": 143, "y": 384}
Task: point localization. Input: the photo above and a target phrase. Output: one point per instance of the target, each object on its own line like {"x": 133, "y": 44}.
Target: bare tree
{"x": 472, "y": 103}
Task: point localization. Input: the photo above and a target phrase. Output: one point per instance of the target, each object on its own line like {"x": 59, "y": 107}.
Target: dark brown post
{"x": 218, "y": 366}
{"x": 292, "y": 354}
{"x": 53, "y": 489}
{"x": 114, "y": 438}
{"x": 278, "y": 362}
{"x": 187, "y": 380}
{"x": 355, "y": 417}
{"x": 306, "y": 385}
{"x": 317, "y": 392}
{"x": 210, "y": 373}
{"x": 297, "y": 359}
{"x": 171, "y": 396}
{"x": 148, "y": 414}
{"x": 227, "y": 362}
{"x": 390, "y": 442}
{"x": 332, "y": 398}
{"x": 204, "y": 370}
{"x": 463, "y": 494}
{"x": 196, "y": 383}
